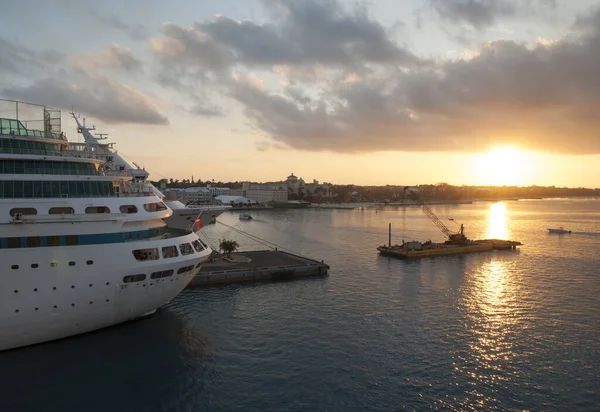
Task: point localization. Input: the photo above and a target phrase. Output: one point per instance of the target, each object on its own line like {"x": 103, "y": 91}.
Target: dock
{"x": 259, "y": 265}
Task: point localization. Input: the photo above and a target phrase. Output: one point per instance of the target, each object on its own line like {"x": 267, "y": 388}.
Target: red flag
{"x": 197, "y": 223}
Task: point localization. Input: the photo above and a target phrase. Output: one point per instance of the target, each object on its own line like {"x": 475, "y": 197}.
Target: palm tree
{"x": 228, "y": 246}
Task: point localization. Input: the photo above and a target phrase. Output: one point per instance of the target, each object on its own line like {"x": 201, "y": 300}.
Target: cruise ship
{"x": 83, "y": 242}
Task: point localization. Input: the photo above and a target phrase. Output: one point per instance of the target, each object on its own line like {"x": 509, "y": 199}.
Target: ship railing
{"x": 10, "y": 127}
{"x": 61, "y": 153}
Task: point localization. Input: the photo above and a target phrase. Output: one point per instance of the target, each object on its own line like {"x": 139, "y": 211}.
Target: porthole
{"x": 72, "y": 286}
{"x": 89, "y": 262}
{"x": 91, "y": 285}
{"x": 71, "y": 263}
{"x": 14, "y": 267}
{"x": 53, "y": 264}
{"x": 34, "y": 265}
{"x": 35, "y": 290}
{"x": 16, "y": 291}
{"x": 36, "y": 309}
{"x": 55, "y": 306}
{"x": 72, "y": 304}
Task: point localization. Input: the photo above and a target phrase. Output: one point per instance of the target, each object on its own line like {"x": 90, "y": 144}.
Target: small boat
{"x": 559, "y": 230}
{"x": 245, "y": 217}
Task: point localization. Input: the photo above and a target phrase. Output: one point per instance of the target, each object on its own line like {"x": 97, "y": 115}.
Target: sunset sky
{"x": 377, "y": 92}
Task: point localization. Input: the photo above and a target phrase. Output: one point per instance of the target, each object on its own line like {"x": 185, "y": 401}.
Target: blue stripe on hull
{"x": 72, "y": 240}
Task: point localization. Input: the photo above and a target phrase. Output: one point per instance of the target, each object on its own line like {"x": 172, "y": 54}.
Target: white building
{"x": 262, "y": 193}
{"x": 197, "y": 195}
{"x": 234, "y": 200}
{"x": 217, "y": 191}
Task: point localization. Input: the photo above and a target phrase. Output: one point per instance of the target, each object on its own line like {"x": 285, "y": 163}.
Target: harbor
{"x": 255, "y": 266}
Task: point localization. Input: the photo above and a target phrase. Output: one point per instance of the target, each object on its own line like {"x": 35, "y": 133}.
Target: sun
{"x": 501, "y": 166}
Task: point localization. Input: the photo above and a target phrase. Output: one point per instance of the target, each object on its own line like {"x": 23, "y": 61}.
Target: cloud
{"x": 113, "y": 57}
{"x": 135, "y": 32}
{"x": 16, "y": 58}
{"x": 476, "y": 13}
{"x": 97, "y": 96}
{"x": 62, "y": 82}
{"x": 205, "y": 110}
{"x": 303, "y": 33}
{"x": 544, "y": 97}
{"x": 481, "y": 14}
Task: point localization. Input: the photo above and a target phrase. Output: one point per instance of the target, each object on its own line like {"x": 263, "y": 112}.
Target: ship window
{"x": 128, "y": 209}
{"x": 169, "y": 252}
{"x": 61, "y": 211}
{"x": 89, "y": 262}
{"x": 186, "y": 249}
{"x": 155, "y": 207}
{"x": 23, "y": 211}
{"x": 162, "y": 274}
{"x": 71, "y": 240}
{"x": 13, "y": 242}
{"x": 197, "y": 246}
{"x": 145, "y": 254}
{"x": 134, "y": 278}
{"x": 97, "y": 209}
{"x": 14, "y": 267}
{"x": 185, "y": 269}
{"x": 34, "y": 241}
{"x": 52, "y": 241}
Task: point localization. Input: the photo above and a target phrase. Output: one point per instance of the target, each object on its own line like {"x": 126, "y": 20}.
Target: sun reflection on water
{"x": 497, "y": 218}
{"x": 493, "y": 303}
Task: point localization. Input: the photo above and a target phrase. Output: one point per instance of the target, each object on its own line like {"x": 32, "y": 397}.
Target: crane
{"x": 453, "y": 237}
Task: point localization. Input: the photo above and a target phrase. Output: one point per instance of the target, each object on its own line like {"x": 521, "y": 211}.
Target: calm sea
{"x": 492, "y": 331}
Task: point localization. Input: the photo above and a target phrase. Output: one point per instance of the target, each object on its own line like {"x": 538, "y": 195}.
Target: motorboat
{"x": 245, "y": 217}
{"x": 558, "y": 230}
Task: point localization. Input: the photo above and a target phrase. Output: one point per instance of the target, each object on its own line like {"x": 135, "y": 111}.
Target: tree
{"x": 228, "y": 246}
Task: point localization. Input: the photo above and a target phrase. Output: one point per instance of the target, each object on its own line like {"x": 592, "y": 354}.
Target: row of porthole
{"x": 53, "y": 264}
{"x": 56, "y": 306}
{"x": 128, "y": 209}
{"x": 72, "y": 287}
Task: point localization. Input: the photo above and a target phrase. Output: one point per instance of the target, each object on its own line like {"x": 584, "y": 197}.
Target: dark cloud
{"x": 116, "y": 57}
{"x": 16, "y": 58}
{"x": 545, "y": 97}
{"x": 481, "y": 14}
{"x": 477, "y": 13}
{"x": 97, "y": 96}
{"x": 134, "y": 31}
{"x": 66, "y": 83}
{"x": 367, "y": 93}
{"x": 204, "y": 110}
{"x": 303, "y": 33}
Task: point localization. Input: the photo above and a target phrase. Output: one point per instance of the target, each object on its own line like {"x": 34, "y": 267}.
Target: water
{"x": 499, "y": 330}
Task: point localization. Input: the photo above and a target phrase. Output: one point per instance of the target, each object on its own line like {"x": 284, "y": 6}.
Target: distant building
{"x": 189, "y": 195}
{"x": 234, "y": 200}
{"x": 262, "y": 193}
{"x": 216, "y": 191}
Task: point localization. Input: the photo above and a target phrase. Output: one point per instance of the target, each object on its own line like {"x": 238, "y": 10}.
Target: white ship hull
{"x": 184, "y": 216}
{"x": 55, "y": 300}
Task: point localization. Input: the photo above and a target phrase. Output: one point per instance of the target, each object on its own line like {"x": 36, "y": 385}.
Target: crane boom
{"x": 414, "y": 196}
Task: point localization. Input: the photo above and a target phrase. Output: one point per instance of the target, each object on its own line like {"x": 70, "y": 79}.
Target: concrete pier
{"x": 258, "y": 265}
